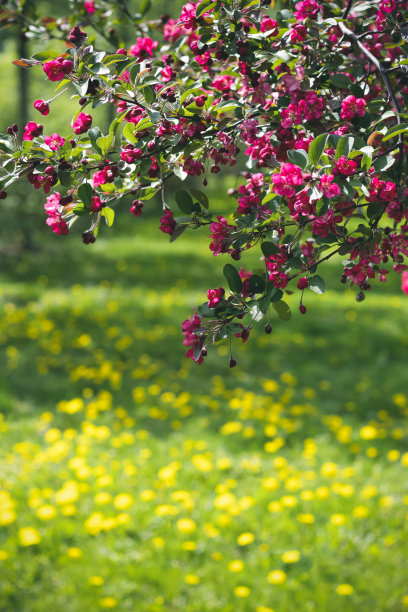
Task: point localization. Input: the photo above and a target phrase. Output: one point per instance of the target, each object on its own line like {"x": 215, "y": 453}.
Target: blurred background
{"x": 132, "y": 478}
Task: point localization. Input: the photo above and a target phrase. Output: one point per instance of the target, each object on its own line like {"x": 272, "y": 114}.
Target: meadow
{"x": 133, "y": 479}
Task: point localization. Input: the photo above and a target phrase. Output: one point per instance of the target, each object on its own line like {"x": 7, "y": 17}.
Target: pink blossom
{"x": 312, "y": 106}
{"x": 143, "y": 48}
{"x": 404, "y": 282}
{"x": 345, "y": 166}
{"x": 82, "y": 123}
{"x": 290, "y": 116}
{"x": 42, "y": 107}
{"x": 57, "y": 69}
{"x": 326, "y": 185}
{"x": 305, "y": 9}
{"x": 31, "y": 130}
{"x": 352, "y": 106}
{"x": 269, "y": 25}
{"x": 167, "y": 223}
{"x": 55, "y": 141}
{"x": 289, "y": 176}
{"x": 215, "y": 296}
{"x": 89, "y": 6}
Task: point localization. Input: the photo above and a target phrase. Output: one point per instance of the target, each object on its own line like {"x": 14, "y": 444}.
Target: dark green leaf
{"x": 340, "y": 80}
{"x": 344, "y": 147}
{"x": 85, "y": 193}
{"x": 184, "y": 201}
{"x": 256, "y": 283}
{"x": 283, "y": 310}
{"x": 144, "y": 7}
{"x": 317, "y": 147}
{"x": 269, "y": 248}
{"x": 383, "y": 163}
{"x": 233, "y": 278}
{"x": 317, "y": 284}
{"x": 298, "y": 157}
{"x": 201, "y": 197}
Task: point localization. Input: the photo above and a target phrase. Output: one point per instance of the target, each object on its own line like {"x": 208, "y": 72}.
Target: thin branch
{"x": 383, "y": 73}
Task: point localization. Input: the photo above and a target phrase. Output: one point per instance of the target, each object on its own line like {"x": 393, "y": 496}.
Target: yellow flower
{"x": 264, "y": 609}
{"x": 306, "y": 518}
{"x": 360, "y": 512}
{"x": 103, "y": 498}
{"x": 46, "y": 513}
{"x": 329, "y": 470}
{"x": 369, "y": 432}
{"x": 245, "y": 538}
{"x": 123, "y": 501}
{"x": 28, "y": 536}
{"x": 108, "y": 602}
{"x": 337, "y": 519}
{"x": 147, "y": 495}
{"x": 276, "y": 577}
{"x": 404, "y": 600}
{"x": 242, "y": 591}
{"x": 189, "y": 545}
{"x": 74, "y": 552}
{"x": 192, "y": 579}
{"x": 186, "y": 525}
{"x": 236, "y": 566}
{"x": 344, "y": 589}
{"x": 96, "y": 580}
{"x": 291, "y": 556}
{"x": 226, "y": 500}
{"x": 7, "y": 516}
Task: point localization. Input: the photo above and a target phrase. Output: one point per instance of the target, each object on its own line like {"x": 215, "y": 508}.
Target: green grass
{"x": 303, "y": 445}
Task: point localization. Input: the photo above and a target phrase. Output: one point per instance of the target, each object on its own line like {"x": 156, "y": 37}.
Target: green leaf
{"x": 129, "y": 133}
{"x": 184, "y": 201}
{"x": 283, "y": 310}
{"x": 145, "y": 7}
{"x": 204, "y": 6}
{"x": 298, "y": 157}
{"x": 233, "y": 278}
{"x": 256, "y": 283}
{"x": 104, "y": 143}
{"x": 109, "y": 215}
{"x": 269, "y": 248}
{"x": 340, "y": 80}
{"x": 317, "y": 147}
{"x": 344, "y": 147}
{"x": 383, "y": 163}
{"x": 201, "y": 197}
{"x": 317, "y": 284}
{"x": 85, "y": 192}
{"x": 395, "y": 131}
{"x": 99, "y": 69}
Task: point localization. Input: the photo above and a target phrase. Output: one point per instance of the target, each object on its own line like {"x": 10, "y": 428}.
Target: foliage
{"x": 314, "y": 98}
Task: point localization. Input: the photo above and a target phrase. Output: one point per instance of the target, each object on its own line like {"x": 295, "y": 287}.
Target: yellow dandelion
{"x": 360, "y": 512}
{"x": 337, "y": 519}
{"x": 28, "y": 536}
{"x": 4, "y": 555}
{"x": 7, "y": 516}
{"x": 291, "y": 556}
{"x": 189, "y": 545}
{"x": 242, "y": 591}
{"x": 108, "y": 602}
{"x": 236, "y": 566}
{"x": 276, "y": 577}
{"x": 123, "y": 501}
{"x": 344, "y": 589}
{"x": 368, "y": 432}
{"x": 404, "y": 600}
{"x": 245, "y": 538}
{"x": 96, "y": 580}
{"x": 46, "y": 512}
{"x": 186, "y": 525}
{"x": 74, "y": 552}
{"x": 306, "y": 518}
{"x": 329, "y": 470}
{"x": 192, "y": 579}
{"x": 158, "y": 542}
{"x": 147, "y": 495}
{"x": 264, "y": 609}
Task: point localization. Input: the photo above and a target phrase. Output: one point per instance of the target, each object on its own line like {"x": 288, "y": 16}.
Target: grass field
{"x": 132, "y": 479}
